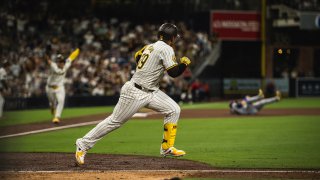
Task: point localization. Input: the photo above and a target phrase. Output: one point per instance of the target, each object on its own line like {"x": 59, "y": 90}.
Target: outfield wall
{"x": 227, "y": 88}
{"x": 71, "y": 101}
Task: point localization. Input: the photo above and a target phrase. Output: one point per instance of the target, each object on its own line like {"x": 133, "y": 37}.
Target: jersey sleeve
{"x": 168, "y": 58}
{"x": 57, "y": 70}
{"x": 138, "y": 54}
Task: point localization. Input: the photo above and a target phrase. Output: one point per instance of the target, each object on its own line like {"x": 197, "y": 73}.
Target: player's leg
{"x": 250, "y": 99}
{"x": 52, "y": 99}
{"x": 130, "y": 101}
{"x": 60, "y": 95}
{"x": 164, "y": 104}
{"x": 259, "y": 104}
{"x": 1, "y": 104}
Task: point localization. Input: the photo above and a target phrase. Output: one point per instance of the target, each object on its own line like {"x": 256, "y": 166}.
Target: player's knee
{"x": 115, "y": 122}
{"x": 176, "y": 110}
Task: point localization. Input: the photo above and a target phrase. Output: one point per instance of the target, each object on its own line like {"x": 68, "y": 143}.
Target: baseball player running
{"x": 252, "y": 105}
{"x": 55, "y": 83}
{"x": 143, "y": 91}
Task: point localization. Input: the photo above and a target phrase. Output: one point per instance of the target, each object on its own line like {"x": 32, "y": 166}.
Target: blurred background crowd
{"x": 106, "y": 59}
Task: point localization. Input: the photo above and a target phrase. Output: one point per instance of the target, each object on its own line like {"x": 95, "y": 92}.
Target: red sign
{"x": 236, "y": 25}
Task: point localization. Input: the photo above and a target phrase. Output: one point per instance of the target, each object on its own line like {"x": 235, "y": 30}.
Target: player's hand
{"x": 185, "y": 60}
{"x": 74, "y": 54}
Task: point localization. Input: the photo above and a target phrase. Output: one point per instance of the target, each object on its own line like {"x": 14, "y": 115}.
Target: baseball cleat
{"x": 261, "y": 93}
{"x": 55, "y": 120}
{"x": 172, "y": 151}
{"x": 80, "y": 156}
{"x": 278, "y": 95}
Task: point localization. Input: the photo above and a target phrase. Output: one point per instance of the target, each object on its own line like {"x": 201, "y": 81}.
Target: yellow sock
{"x": 169, "y": 135}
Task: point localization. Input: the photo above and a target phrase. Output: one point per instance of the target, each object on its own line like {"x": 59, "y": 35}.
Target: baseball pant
{"x": 259, "y": 104}
{"x": 131, "y": 100}
{"x": 1, "y": 104}
{"x": 56, "y": 98}
{"x": 252, "y": 98}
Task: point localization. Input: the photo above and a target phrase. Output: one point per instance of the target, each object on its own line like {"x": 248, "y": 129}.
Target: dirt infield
{"x": 106, "y": 166}
{"x": 161, "y": 174}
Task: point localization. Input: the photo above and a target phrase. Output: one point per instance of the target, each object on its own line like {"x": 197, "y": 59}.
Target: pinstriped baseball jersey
{"x": 57, "y": 75}
{"x": 3, "y": 76}
{"x": 155, "y": 59}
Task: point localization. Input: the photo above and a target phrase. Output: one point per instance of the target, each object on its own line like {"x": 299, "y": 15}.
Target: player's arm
{"x": 68, "y": 62}
{"x": 48, "y": 60}
{"x": 53, "y": 66}
{"x": 138, "y": 54}
{"x": 177, "y": 70}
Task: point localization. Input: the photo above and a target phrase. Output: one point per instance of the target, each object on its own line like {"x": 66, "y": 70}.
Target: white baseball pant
{"x": 1, "y": 104}
{"x": 265, "y": 101}
{"x": 56, "y": 98}
{"x": 131, "y": 100}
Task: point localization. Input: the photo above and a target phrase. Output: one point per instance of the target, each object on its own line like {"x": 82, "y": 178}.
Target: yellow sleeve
{"x": 138, "y": 54}
{"x": 171, "y": 67}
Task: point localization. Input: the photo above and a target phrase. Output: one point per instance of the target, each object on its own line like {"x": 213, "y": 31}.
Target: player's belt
{"x": 143, "y": 89}
{"x": 53, "y": 86}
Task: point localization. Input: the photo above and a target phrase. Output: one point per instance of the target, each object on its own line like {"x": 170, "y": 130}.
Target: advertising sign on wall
{"x": 236, "y": 25}
{"x": 251, "y": 86}
{"x": 307, "y": 87}
{"x": 241, "y": 86}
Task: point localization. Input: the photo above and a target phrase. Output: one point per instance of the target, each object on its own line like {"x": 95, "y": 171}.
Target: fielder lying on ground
{"x": 252, "y": 105}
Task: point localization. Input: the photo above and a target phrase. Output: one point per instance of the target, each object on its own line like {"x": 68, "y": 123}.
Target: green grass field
{"x": 253, "y": 142}
{"x": 43, "y": 115}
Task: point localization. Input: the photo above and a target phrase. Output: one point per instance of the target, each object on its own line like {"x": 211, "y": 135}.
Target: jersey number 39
{"x": 143, "y": 60}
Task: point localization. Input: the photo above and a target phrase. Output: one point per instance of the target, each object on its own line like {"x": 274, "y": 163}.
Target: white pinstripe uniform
{"x": 55, "y": 87}
{"x": 156, "y": 58}
{"x": 3, "y": 76}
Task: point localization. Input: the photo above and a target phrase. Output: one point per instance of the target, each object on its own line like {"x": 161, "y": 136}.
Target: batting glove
{"x": 74, "y": 54}
{"x": 185, "y": 60}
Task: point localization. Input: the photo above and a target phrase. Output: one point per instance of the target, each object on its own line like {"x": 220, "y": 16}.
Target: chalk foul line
{"x": 142, "y": 115}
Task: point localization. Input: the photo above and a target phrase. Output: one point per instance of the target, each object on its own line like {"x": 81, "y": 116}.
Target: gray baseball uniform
{"x": 252, "y": 105}
{"x": 55, "y": 87}
{"x": 141, "y": 91}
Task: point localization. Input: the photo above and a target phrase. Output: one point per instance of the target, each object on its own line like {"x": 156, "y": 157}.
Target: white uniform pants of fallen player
{"x": 131, "y": 100}
{"x": 258, "y": 102}
{"x": 56, "y": 98}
